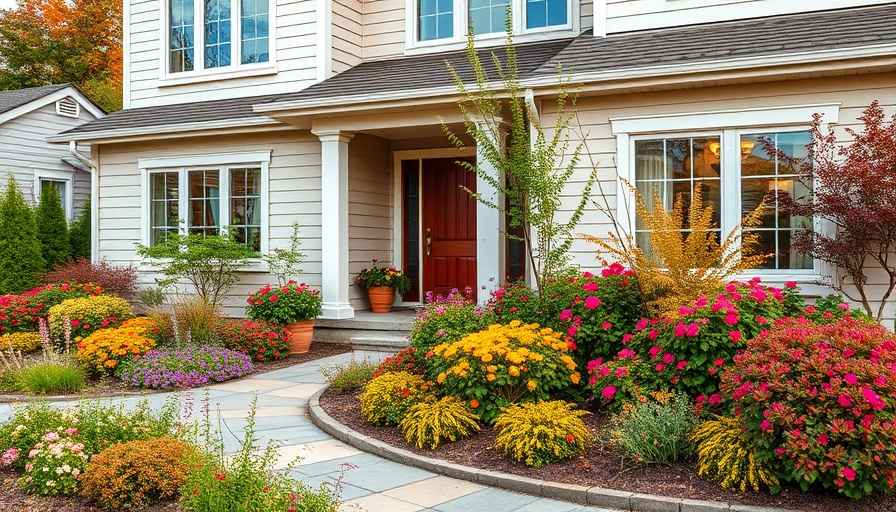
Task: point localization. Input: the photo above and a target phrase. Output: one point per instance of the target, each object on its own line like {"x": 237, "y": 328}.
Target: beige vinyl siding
{"x": 347, "y": 34}
{"x": 370, "y": 207}
{"x": 628, "y": 15}
{"x": 23, "y": 149}
{"x": 855, "y": 93}
{"x": 586, "y": 14}
{"x": 294, "y": 197}
{"x": 384, "y": 29}
{"x": 295, "y": 48}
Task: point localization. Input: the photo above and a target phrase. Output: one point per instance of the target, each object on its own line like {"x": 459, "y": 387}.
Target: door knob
{"x": 428, "y": 241}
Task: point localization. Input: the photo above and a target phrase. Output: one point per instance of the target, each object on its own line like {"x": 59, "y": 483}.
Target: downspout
{"x": 94, "y": 196}
{"x": 532, "y": 109}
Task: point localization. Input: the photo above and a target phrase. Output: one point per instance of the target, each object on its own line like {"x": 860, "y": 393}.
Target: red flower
{"x": 274, "y": 298}
{"x": 474, "y": 403}
{"x": 570, "y": 438}
{"x": 849, "y": 474}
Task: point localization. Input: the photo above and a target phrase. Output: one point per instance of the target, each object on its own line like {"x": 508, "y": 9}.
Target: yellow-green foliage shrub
{"x": 86, "y": 315}
{"x": 105, "y": 350}
{"x": 387, "y": 399}
{"x": 725, "y": 456}
{"x": 431, "y": 421}
{"x": 543, "y": 432}
{"x": 503, "y": 365}
{"x": 21, "y": 341}
{"x": 137, "y": 473}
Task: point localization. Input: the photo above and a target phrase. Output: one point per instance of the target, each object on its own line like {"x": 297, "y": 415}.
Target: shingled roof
{"x": 762, "y": 37}
{"x": 15, "y": 99}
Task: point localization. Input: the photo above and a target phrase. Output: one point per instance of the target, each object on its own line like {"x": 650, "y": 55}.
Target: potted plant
{"x": 381, "y": 284}
{"x": 295, "y": 306}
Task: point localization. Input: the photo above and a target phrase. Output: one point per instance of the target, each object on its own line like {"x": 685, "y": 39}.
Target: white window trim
{"x": 729, "y": 124}
{"x": 182, "y": 165}
{"x": 51, "y": 175}
{"x": 413, "y": 46}
{"x": 235, "y": 69}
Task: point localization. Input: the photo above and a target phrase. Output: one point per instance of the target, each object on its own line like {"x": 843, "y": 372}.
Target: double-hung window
{"x": 60, "y": 181}
{"x": 227, "y": 192}
{"x": 217, "y": 34}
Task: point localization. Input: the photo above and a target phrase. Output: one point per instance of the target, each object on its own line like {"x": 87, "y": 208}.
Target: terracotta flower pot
{"x": 300, "y": 336}
{"x": 381, "y": 298}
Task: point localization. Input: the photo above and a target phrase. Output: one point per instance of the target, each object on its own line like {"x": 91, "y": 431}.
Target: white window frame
{"x": 200, "y": 73}
{"x": 730, "y": 125}
{"x": 222, "y": 163}
{"x": 68, "y": 202}
{"x": 462, "y": 21}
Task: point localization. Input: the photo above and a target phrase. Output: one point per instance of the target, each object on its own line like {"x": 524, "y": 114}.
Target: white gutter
{"x": 94, "y": 196}
{"x": 162, "y": 129}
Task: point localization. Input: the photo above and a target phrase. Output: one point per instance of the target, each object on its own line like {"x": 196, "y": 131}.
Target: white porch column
{"x": 490, "y": 246}
{"x": 334, "y": 223}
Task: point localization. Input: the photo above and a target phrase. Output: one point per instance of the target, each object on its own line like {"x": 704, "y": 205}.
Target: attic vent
{"x": 68, "y": 107}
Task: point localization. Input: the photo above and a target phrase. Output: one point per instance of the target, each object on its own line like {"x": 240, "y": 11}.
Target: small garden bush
{"x": 187, "y": 368}
{"x": 197, "y": 321}
{"x": 432, "y": 421}
{"x": 405, "y": 360}
{"x": 657, "y": 430}
{"x": 120, "y": 280}
{"x": 446, "y": 320}
{"x": 816, "y": 404}
{"x": 21, "y": 341}
{"x": 542, "y": 433}
{"x": 353, "y": 375}
{"x": 54, "y": 465}
{"x": 503, "y": 365}
{"x": 137, "y": 473}
{"x": 289, "y": 303}
{"x": 261, "y": 341}
{"x": 86, "y": 315}
{"x": 726, "y": 457}
{"x": 18, "y": 314}
{"x": 46, "y": 377}
{"x": 105, "y": 350}
{"x": 387, "y": 399}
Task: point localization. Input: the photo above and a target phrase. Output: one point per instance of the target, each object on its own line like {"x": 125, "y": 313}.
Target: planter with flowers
{"x": 295, "y": 306}
{"x": 381, "y": 284}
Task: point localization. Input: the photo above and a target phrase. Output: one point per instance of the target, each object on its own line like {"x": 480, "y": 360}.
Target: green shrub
{"x": 349, "y": 376}
{"x": 727, "y": 457}
{"x": 387, "y": 399}
{"x": 656, "y": 431}
{"x": 446, "y": 320}
{"x": 86, "y": 315}
{"x": 52, "y": 228}
{"x": 431, "y": 421}
{"x": 79, "y": 234}
{"x": 137, "y": 473}
{"x": 20, "y": 255}
{"x": 47, "y": 378}
{"x": 542, "y": 433}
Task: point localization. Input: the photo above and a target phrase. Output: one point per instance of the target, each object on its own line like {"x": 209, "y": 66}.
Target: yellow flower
{"x": 490, "y": 377}
{"x": 513, "y": 371}
{"x": 531, "y": 385}
{"x": 441, "y": 378}
{"x": 575, "y": 377}
{"x": 486, "y": 358}
{"x": 491, "y": 368}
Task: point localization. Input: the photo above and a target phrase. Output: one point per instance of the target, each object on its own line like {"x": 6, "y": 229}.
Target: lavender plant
{"x": 187, "y": 368}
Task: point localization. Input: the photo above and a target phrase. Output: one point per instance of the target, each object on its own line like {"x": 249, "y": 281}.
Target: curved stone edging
{"x": 597, "y": 496}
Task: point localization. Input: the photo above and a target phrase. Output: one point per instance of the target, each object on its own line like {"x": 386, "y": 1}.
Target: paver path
{"x": 375, "y": 484}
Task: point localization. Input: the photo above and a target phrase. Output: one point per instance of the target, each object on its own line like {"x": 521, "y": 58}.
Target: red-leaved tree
{"x": 854, "y": 189}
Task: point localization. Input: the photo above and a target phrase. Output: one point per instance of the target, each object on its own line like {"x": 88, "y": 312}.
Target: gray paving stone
{"x": 385, "y": 475}
{"x": 363, "y": 462}
{"x": 703, "y": 506}
{"x": 493, "y": 500}
{"x": 654, "y": 503}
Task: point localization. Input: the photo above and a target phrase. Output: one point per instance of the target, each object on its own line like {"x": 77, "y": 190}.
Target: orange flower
{"x": 474, "y": 403}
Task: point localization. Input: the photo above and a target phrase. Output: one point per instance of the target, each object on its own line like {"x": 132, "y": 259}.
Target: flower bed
{"x": 188, "y": 368}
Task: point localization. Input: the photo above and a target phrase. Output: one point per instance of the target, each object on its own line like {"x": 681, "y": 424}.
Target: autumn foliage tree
{"x": 45, "y": 42}
{"x": 855, "y": 192}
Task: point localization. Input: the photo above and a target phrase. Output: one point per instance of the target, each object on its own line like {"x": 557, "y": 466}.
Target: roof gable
{"x": 19, "y": 102}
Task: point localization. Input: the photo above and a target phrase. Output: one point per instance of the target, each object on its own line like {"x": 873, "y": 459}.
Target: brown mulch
{"x": 600, "y": 466}
{"x": 14, "y": 500}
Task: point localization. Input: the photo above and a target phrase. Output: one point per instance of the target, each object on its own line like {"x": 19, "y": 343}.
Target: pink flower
{"x": 622, "y": 371}
{"x": 606, "y": 325}
{"x": 848, "y": 352}
{"x": 849, "y": 474}
{"x": 731, "y": 318}
{"x": 681, "y": 365}
{"x": 765, "y": 425}
{"x": 779, "y": 451}
{"x": 603, "y": 371}
{"x": 719, "y": 362}
{"x": 51, "y": 437}
{"x": 810, "y": 309}
{"x": 843, "y": 306}
{"x": 851, "y": 379}
{"x": 594, "y": 364}
{"x": 823, "y": 439}
{"x": 680, "y": 329}
{"x": 668, "y": 358}
{"x": 590, "y": 286}
{"x": 641, "y": 325}
{"x": 572, "y": 330}
{"x": 874, "y": 399}
{"x": 626, "y": 338}
{"x": 608, "y": 392}
{"x": 844, "y": 400}
{"x": 654, "y": 351}
{"x": 565, "y": 315}
{"x": 274, "y": 298}
{"x": 592, "y": 302}
{"x": 684, "y": 310}
{"x": 653, "y": 334}
{"x": 660, "y": 367}
{"x": 700, "y": 302}
{"x": 714, "y": 399}
{"x": 71, "y": 431}
{"x": 790, "y": 284}
{"x": 735, "y": 336}
{"x": 693, "y": 330}
{"x": 626, "y": 352}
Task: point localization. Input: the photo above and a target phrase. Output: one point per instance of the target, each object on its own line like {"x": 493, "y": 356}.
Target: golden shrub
{"x": 21, "y": 341}
{"x": 725, "y": 456}
{"x": 105, "y": 350}
{"x": 431, "y": 421}
{"x": 387, "y": 399}
{"x": 543, "y": 432}
{"x": 86, "y": 315}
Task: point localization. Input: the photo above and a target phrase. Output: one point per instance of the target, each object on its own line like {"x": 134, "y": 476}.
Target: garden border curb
{"x": 597, "y": 496}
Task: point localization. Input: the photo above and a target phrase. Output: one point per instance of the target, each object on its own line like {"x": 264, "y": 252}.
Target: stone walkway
{"x": 374, "y": 484}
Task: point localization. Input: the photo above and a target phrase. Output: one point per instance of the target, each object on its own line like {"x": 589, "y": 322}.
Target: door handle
{"x": 428, "y": 241}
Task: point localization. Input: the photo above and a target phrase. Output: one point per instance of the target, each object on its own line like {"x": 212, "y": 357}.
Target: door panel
{"x": 449, "y": 227}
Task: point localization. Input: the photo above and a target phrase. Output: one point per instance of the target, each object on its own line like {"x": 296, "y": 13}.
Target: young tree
{"x": 46, "y": 42}
{"x": 533, "y": 164}
{"x": 854, "y": 191}
{"x": 52, "y": 229}
{"x": 79, "y": 233}
{"x": 20, "y": 256}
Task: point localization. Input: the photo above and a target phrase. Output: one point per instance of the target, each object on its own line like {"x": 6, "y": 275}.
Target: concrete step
{"x": 386, "y": 332}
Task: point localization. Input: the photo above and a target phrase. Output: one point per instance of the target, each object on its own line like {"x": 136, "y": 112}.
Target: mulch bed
{"x": 12, "y": 499}
{"x": 600, "y": 466}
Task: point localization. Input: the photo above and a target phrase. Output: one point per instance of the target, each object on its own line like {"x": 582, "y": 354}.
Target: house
{"x": 329, "y": 113}
{"x": 27, "y": 118}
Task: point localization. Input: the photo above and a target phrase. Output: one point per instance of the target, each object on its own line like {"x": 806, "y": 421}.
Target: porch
{"x": 382, "y": 332}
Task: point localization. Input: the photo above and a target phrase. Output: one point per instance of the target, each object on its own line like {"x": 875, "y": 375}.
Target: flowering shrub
{"x": 21, "y": 341}
{"x": 726, "y": 457}
{"x": 118, "y": 279}
{"x": 542, "y": 432}
{"x": 383, "y": 276}
{"x": 817, "y": 402}
{"x": 431, "y": 421}
{"x": 86, "y": 315}
{"x": 188, "y": 368}
{"x": 54, "y": 293}
{"x": 624, "y": 381}
{"x": 17, "y": 314}
{"x": 261, "y": 341}
{"x": 502, "y": 365}
{"x": 446, "y": 320}
{"x": 105, "y": 350}
{"x": 832, "y": 308}
{"x": 405, "y": 360}
{"x": 136, "y": 473}
{"x": 54, "y": 466}
{"x": 387, "y": 399}
{"x": 285, "y": 305}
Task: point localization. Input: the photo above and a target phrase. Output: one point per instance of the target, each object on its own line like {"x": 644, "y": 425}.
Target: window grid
{"x": 181, "y": 43}
{"x": 164, "y": 206}
{"x": 245, "y": 206}
{"x": 204, "y": 202}
{"x": 546, "y": 13}
{"x": 217, "y": 33}
{"x": 488, "y": 16}
{"x": 254, "y": 31}
{"x": 436, "y": 20}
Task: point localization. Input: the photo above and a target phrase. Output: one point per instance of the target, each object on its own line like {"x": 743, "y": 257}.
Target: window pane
{"x": 245, "y": 206}
{"x": 180, "y": 41}
{"x": 557, "y": 14}
{"x": 217, "y": 33}
{"x": 163, "y": 207}
{"x": 488, "y": 16}
{"x": 204, "y": 202}
{"x": 546, "y": 13}
{"x": 436, "y": 19}
{"x": 254, "y": 31}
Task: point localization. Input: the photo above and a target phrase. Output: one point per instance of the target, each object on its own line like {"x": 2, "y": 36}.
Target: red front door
{"x": 449, "y": 227}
